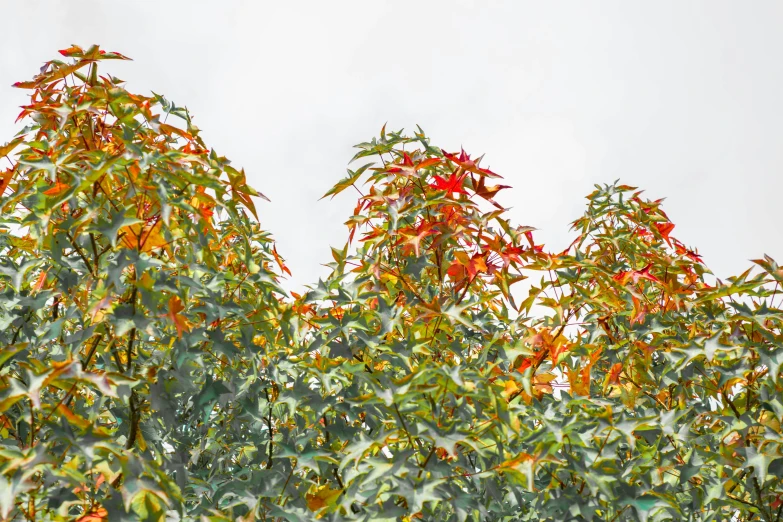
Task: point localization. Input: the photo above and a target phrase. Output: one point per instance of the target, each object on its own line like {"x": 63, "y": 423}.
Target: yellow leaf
{"x": 510, "y": 388}
{"x": 145, "y": 281}
{"x": 144, "y": 237}
{"x": 6, "y": 149}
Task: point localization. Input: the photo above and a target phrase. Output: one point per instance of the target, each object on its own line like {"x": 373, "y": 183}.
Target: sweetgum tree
{"x": 139, "y": 303}
{"x": 152, "y": 368}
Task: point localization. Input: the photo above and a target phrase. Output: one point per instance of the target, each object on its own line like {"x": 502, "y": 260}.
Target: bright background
{"x": 680, "y": 98}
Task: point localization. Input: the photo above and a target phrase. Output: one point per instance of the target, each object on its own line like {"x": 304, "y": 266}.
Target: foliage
{"x": 152, "y": 366}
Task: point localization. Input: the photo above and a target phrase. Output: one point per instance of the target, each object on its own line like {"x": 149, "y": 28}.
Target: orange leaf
{"x": 280, "y": 261}
{"x": 516, "y": 461}
{"x": 614, "y": 373}
{"x": 415, "y": 237}
{"x": 690, "y": 254}
{"x": 175, "y": 307}
{"x": 25, "y": 85}
{"x": 639, "y": 311}
{"x": 96, "y": 514}
{"x": 57, "y": 189}
{"x": 40, "y": 281}
{"x": 5, "y": 179}
{"x": 170, "y": 129}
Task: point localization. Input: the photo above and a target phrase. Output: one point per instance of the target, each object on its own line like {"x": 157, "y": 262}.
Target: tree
{"x": 138, "y": 299}
{"x": 153, "y": 367}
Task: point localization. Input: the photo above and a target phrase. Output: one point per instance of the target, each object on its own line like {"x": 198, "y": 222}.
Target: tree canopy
{"x": 153, "y": 368}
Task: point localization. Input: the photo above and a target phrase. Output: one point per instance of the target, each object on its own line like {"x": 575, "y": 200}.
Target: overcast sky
{"x": 680, "y": 98}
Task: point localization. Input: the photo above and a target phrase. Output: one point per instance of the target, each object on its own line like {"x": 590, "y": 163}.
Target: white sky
{"x": 680, "y": 98}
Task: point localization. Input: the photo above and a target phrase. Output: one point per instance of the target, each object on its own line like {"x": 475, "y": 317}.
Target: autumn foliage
{"x": 449, "y": 368}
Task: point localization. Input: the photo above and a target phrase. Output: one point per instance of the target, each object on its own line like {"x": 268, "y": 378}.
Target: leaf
{"x": 207, "y": 398}
{"x": 452, "y": 185}
{"x": 241, "y": 191}
{"x": 9, "y": 351}
{"x": 636, "y": 275}
{"x": 353, "y": 177}
{"x": 72, "y": 51}
{"x": 72, "y": 418}
{"x": 174, "y": 315}
{"x": 664, "y": 229}
{"x": 323, "y": 497}
{"x": 5, "y": 180}
{"x": 279, "y": 261}
{"x": 169, "y": 130}
{"x": 96, "y": 514}
{"x": 57, "y": 189}
{"x": 414, "y": 237}
{"x": 143, "y": 236}
{"x": 6, "y": 149}
{"x": 25, "y": 85}
{"x": 120, "y": 219}
{"x": 464, "y": 161}
{"x": 488, "y": 193}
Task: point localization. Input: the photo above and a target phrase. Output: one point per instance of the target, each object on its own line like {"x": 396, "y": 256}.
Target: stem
{"x": 129, "y": 352}
{"x": 293, "y": 467}
{"x": 426, "y": 461}
{"x": 404, "y": 426}
{"x": 79, "y": 251}
{"x": 271, "y": 432}
{"x": 337, "y": 476}
{"x": 134, "y": 421}
{"x": 32, "y": 424}
{"x": 135, "y": 417}
{"x": 95, "y": 255}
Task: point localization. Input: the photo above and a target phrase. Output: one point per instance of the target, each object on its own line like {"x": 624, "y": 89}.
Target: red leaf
{"x": 636, "y": 276}
{"x": 451, "y": 185}
{"x": 664, "y": 229}
{"x": 690, "y": 254}
{"x": 464, "y": 161}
